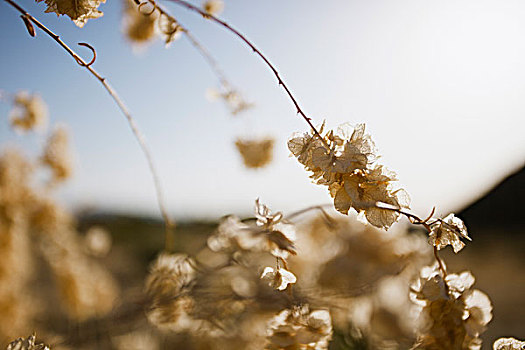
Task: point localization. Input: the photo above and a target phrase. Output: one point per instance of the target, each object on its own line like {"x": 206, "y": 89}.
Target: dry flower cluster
{"x": 268, "y": 282}
{"x": 453, "y": 315}
{"x": 345, "y": 161}
{"x": 80, "y": 11}
{"x": 34, "y": 229}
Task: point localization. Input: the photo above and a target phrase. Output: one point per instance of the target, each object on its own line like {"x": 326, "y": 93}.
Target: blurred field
{"x": 495, "y": 258}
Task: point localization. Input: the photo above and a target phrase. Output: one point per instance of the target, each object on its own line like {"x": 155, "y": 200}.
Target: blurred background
{"x": 440, "y": 86}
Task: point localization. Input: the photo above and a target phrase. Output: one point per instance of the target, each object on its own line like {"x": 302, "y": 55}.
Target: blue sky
{"x": 440, "y": 86}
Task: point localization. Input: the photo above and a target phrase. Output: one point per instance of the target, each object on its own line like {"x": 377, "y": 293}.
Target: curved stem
{"x": 416, "y": 220}
{"x": 441, "y": 264}
{"x": 280, "y": 81}
{"x": 203, "y": 51}
{"x": 209, "y": 59}
{"x": 169, "y": 224}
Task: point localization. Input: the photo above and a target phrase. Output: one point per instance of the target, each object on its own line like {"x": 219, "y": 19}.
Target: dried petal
{"x": 278, "y": 278}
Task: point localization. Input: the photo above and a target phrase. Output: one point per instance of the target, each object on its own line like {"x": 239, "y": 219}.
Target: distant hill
{"x": 502, "y": 207}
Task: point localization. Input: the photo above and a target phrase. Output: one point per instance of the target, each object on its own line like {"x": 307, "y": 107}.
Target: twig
{"x": 258, "y": 53}
{"x": 204, "y": 52}
{"x": 209, "y": 59}
{"x": 169, "y": 224}
{"x": 416, "y": 220}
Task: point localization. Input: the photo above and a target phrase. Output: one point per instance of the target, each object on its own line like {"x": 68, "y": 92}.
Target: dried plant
{"x": 271, "y": 281}
{"x": 255, "y": 153}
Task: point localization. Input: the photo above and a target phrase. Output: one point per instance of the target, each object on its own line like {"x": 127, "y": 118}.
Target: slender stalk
{"x": 209, "y": 59}
{"x": 205, "y": 53}
{"x": 280, "y": 81}
{"x": 416, "y": 220}
{"x": 169, "y": 224}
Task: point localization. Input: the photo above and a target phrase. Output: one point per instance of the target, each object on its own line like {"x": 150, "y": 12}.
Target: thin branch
{"x": 258, "y": 53}
{"x": 209, "y": 59}
{"x": 204, "y": 52}
{"x": 169, "y": 224}
{"x": 416, "y": 220}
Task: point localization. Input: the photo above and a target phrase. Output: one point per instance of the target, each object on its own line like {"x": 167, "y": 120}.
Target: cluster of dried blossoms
{"x": 33, "y": 228}
{"x": 346, "y": 162}
{"x": 509, "y": 344}
{"x": 452, "y": 315}
{"x": 230, "y": 295}
{"x": 228, "y": 292}
{"x": 357, "y": 277}
{"x": 80, "y": 11}
{"x": 364, "y": 275}
{"x": 292, "y": 327}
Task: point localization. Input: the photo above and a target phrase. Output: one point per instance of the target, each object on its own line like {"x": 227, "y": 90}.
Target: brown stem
{"x": 416, "y": 220}
{"x": 441, "y": 265}
{"x": 204, "y": 52}
{"x": 258, "y": 53}
{"x": 169, "y": 225}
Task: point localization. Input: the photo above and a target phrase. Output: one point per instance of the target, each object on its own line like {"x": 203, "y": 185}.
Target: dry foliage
{"x": 270, "y": 282}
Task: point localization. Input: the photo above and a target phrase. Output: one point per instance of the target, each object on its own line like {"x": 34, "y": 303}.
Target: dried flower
{"x": 78, "y": 10}
{"x": 213, "y": 7}
{"x": 278, "y": 278}
{"x": 26, "y": 344}
{"x": 255, "y": 153}
{"x": 280, "y": 237}
{"x": 300, "y": 328}
{"x": 169, "y": 274}
{"x": 448, "y": 231}
{"x": 509, "y": 344}
{"x": 57, "y": 154}
{"x": 30, "y": 112}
